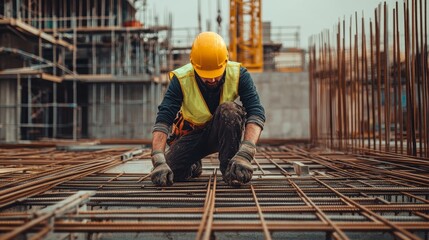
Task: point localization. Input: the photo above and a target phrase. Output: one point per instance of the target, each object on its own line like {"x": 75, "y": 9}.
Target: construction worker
{"x": 199, "y": 108}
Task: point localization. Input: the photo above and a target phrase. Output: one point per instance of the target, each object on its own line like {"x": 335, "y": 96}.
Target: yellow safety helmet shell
{"x": 209, "y": 55}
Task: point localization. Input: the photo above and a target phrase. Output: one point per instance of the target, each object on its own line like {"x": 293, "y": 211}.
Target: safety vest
{"x": 194, "y": 109}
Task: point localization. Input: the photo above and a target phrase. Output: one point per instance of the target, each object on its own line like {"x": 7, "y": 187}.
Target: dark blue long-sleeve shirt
{"x": 173, "y": 98}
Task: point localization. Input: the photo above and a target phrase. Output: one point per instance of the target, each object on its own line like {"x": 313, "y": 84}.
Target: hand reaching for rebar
{"x": 161, "y": 174}
{"x": 240, "y": 170}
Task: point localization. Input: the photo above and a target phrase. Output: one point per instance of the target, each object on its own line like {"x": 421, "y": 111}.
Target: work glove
{"x": 161, "y": 174}
{"x": 240, "y": 170}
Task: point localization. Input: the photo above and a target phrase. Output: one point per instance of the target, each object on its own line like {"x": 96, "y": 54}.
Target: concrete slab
{"x": 136, "y": 166}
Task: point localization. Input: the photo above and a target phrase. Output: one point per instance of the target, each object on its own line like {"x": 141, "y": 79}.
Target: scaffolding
{"x": 80, "y": 65}
{"x": 282, "y": 51}
{"x": 181, "y": 44}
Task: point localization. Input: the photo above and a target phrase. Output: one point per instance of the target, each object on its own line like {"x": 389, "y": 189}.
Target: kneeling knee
{"x": 232, "y": 112}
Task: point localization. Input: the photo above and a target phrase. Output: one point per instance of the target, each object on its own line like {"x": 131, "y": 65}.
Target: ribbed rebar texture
{"x": 295, "y": 193}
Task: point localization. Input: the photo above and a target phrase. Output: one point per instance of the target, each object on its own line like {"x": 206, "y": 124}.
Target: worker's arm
{"x": 161, "y": 174}
{"x": 159, "y": 141}
{"x": 240, "y": 170}
{"x": 252, "y": 132}
{"x": 169, "y": 106}
{"x": 251, "y": 102}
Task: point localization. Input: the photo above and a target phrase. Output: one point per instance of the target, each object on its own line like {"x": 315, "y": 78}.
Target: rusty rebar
{"x": 377, "y": 101}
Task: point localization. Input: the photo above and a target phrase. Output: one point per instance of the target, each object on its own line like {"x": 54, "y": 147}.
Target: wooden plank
{"x": 36, "y": 32}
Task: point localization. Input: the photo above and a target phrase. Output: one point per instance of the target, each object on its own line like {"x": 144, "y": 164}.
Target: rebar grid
{"x": 366, "y": 193}
{"x": 27, "y": 172}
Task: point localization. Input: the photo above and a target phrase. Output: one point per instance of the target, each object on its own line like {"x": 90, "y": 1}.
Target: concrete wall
{"x": 285, "y": 97}
{"x": 132, "y": 110}
{"x": 122, "y": 110}
{"x": 131, "y": 114}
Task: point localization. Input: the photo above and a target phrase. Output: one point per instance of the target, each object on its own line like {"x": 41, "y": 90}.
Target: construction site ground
{"x": 105, "y": 192}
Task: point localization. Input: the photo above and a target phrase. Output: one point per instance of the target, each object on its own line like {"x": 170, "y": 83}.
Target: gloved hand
{"x": 240, "y": 170}
{"x": 161, "y": 174}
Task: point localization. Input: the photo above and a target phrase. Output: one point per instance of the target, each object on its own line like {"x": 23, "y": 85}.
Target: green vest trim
{"x": 194, "y": 107}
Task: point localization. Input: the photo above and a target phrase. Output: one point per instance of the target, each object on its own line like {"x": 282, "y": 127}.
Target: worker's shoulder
{"x": 244, "y": 74}
{"x": 243, "y": 70}
{"x": 183, "y": 71}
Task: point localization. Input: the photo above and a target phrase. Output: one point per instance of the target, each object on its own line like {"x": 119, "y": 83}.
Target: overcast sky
{"x": 311, "y": 15}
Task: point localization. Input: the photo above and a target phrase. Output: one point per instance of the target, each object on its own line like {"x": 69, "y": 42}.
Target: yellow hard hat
{"x": 209, "y": 55}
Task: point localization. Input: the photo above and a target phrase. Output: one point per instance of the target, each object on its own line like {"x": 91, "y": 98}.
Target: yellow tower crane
{"x": 245, "y": 34}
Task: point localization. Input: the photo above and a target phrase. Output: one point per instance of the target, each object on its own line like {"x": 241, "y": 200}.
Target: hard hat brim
{"x": 211, "y": 73}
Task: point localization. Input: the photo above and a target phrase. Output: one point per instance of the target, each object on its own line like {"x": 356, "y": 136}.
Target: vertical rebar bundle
{"x": 369, "y": 85}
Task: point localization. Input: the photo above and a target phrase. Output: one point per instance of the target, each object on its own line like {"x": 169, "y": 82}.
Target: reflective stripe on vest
{"x": 194, "y": 107}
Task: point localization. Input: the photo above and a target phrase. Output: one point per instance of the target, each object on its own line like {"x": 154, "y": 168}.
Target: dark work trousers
{"x": 222, "y": 134}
